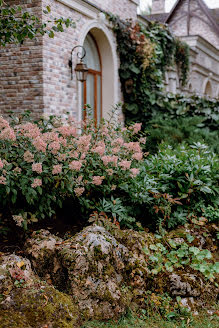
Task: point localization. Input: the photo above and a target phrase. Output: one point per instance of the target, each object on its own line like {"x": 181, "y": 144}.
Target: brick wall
{"x": 36, "y": 75}
{"x": 60, "y": 92}
{"x": 21, "y": 76}
{"x": 123, "y": 8}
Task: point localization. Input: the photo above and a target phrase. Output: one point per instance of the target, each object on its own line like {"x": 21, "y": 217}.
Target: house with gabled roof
{"x": 197, "y": 25}
{"x": 36, "y": 75}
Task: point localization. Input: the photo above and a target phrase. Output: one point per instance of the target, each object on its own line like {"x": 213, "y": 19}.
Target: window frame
{"x": 94, "y": 73}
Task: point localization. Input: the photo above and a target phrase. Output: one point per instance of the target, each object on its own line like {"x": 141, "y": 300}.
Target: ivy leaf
{"x": 134, "y": 69}
{"x": 190, "y": 238}
{"x": 132, "y": 108}
{"x": 206, "y": 189}
{"x": 194, "y": 250}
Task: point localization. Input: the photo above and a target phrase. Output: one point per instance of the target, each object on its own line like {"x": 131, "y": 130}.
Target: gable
{"x": 193, "y": 17}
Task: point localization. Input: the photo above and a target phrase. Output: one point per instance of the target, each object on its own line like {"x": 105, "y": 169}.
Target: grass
{"x": 203, "y": 320}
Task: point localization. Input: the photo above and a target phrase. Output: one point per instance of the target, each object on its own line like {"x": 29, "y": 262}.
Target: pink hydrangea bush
{"x": 43, "y": 163}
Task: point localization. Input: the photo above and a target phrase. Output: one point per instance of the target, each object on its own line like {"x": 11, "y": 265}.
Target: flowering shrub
{"x": 43, "y": 163}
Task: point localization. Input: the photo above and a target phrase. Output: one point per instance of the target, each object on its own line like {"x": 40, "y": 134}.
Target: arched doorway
{"x": 92, "y": 88}
{"x": 105, "y": 43}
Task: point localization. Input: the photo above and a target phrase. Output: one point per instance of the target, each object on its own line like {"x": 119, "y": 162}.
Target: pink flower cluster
{"x": 28, "y": 156}
{"x": 97, "y": 180}
{"x": 79, "y": 191}
{"x": 100, "y": 148}
{"x": 29, "y": 130}
{"x": 133, "y": 146}
{"x": 134, "y": 172}
{"x": 57, "y": 169}
{"x": 39, "y": 144}
{"x": 1, "y": 164}
{"x": 2, "y": 180}
{"x": 138, "y": 156}
{"x": 3, "y": 123}
{"x": 75, "y": 165}
{"x": 118, "y": 141}
{"x": 50, "y": 136}
{"x": 36, "y": 183}
{"x": 125, "y": 165}
{"x": 54, "y": 146}
{"x": 37, "y": 167}
{"x": 7, "y": 134}
{"x": 136, "y": 127}
{"x": 83, "y": 143}
{"x": 67, "y": 131}
{"x": 110, "y": 159}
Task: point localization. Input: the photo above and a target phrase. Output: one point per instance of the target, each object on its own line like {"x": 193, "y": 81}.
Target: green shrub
{"x": 174, "y": 131}
{"x": 175, "y": 184}
{"x": 45, "y": 163}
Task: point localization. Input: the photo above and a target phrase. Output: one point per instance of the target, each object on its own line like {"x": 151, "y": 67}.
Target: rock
{"x": 41, "y": 248}
{"x": 28, "y": 302}
{"x": 14, "y": 268}
{"x": 105, "y": 269}
{"x": 102, "y": 274}
{"x": 186, "y": 284}
{"x": 97, "y": 265}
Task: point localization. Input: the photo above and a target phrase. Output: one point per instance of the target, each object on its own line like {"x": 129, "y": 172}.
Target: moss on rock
{"x": 29, "y": 302}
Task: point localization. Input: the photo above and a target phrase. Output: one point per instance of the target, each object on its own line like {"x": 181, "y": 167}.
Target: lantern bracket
{"x": 80, "y": 55}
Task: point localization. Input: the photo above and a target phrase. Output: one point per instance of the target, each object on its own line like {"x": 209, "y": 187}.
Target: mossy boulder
{"x": 107, "y": 270}
{"x": 103, "y": 276}
{"x": 28, "y": 302}
{"x": 98, "y": 272}
{"x": 41, "y": 249}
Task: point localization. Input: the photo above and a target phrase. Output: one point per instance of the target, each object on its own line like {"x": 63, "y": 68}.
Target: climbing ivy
{"x": 145, "y": 53}
{"x": 182, "y": 59}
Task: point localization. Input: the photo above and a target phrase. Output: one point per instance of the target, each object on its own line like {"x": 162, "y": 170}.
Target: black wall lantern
{"x": 81, "y": 69}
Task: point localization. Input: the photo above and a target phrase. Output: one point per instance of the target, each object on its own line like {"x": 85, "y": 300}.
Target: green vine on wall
{"x": 182, "y": 59}
{"x": 145, "y": 54}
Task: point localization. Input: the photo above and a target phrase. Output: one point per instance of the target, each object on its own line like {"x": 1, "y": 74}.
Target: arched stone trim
{"x": 217, "y": 92}
{"x": 190, "y": 88}
{"x": 208, "y": 89}
{"x": 177, "y": 81}
{"x": 207, "y": 86}
{"x": 107, "y": 47}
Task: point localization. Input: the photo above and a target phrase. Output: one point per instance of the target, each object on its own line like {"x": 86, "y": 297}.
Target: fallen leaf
{"x": 20, "y": 264}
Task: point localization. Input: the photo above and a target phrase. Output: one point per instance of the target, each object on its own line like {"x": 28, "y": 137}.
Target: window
{"x": 92, "y": 88}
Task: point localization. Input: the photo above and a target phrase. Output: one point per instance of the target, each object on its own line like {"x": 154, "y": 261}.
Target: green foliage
{"x": 116, "y": 209}
{"x": 164, "y": 306}
{"x": 181, "y": 57}
{"x": 210, "y": 213}
{"x": 168, "y": 255}
{"x": 145, "y": 53}
{"x": 175, "y": 184}
{"x": 16, "y": 24}
{"x": 176, "y": 119}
